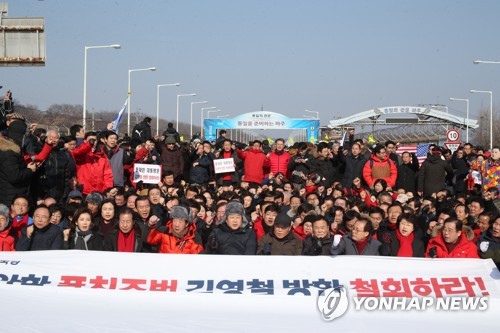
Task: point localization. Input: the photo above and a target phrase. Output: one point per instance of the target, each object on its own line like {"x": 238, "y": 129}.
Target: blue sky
{"x": 335, "y": 57}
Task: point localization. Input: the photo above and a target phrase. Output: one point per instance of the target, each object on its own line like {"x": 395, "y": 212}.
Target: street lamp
{"x": 114, "y": 46}
{"x": 203, "y": 117}
{"x": 130, "y": 92}
{"x": 476, "y": 62}
{"x": 191, "y": 130}
{"x": 467, "y": 121}
{"x": 158, "y": 102}
{"x": 491, "y": 112}
{"x": 177, "y": 116}
{"x": 208, "y": 113}
{"x": 316, "y": 112}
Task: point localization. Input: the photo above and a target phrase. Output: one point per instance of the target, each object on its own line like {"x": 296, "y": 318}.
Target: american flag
{"x": 420, "y": 151}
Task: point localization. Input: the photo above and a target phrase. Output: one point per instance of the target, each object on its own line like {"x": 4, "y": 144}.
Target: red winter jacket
{"x": 380, "y": 169}
{"x": 464, "y": 249}
{"x": 94, "y": 172}
{"x": 255, "y": 162}
{"x": 258, "y": 227}
{"x": 279, "y": 162}
{"x": 172, "y": 244}
{"x": 7, "y": 240}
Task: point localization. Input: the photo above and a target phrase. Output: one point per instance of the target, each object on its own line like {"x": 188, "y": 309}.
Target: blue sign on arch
{"x": 261, "y": 120}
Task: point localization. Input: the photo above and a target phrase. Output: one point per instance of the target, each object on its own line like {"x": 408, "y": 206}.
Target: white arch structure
{"x": 422, "y": 116}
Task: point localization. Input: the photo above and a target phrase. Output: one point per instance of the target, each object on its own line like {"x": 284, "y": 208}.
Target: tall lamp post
{"x": 114, "y": 46}
{"x": 203, "y": 117}
{"x": 192, "y": 103}
{"x": 177, "y": 115}
{"x": 477, "y": 62}
{"x": 129, "y": 92}
{"x": 467, "y": 117}
{"x": 491, "y": 112}
{"x": 158, "y": 103}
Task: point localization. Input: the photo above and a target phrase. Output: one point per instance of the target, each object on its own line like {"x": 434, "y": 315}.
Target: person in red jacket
{"x": 178, "y": 236}
{"x": 380, "y": 166}
{"x": 255, "y": 161}
{"x": 7, "y": 239}
{"x": 451, "y": 242}
{"x": 279, "y": 158}
{"x": 93, "y": 170}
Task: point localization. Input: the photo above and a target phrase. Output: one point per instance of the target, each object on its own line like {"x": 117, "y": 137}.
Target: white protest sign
{"x": 148, "y": 173}
{"x": 224, "y": 165}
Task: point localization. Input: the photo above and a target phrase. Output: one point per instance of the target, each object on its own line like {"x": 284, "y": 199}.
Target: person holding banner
{"x": 229, "y": 178}
{"x": 7, "y": 236}
{"x": 178, "y": 236}
{"x": 231, "y": 236}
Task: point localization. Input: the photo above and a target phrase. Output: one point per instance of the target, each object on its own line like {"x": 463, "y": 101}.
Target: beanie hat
{"x": 94, "y": 197}
{"x": 169, "y": 139}
{"x": 235, "y": 208}
{"x": 180, "y": 212}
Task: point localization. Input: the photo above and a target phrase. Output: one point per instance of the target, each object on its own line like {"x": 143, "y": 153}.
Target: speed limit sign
{"x": 453, "y": 135}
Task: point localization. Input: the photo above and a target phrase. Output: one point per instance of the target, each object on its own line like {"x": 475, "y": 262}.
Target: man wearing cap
{"x": 93, "y": 201}
{"x": 178, "y": 236}
{"x": 280, "y": 241}
{"x": 7, "y": 236}
{"x": 171, "y": 157}
{"x": 232, "y": 235}
{"x": 75, "y": 196}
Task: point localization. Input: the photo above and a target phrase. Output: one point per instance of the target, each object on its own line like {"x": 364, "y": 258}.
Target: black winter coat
{"x": 432, "y": 174}
{"x": 324, "y": 168}
{"x": 407, "y": 175}
{"x": 141, "y": 132}
{"x": 223, "y": 240}
{"x": 353, "y": 169}
{"x": 200, "y": 174}
{"x": 95, "y": 242}
{"x": 55, "y": 175}
{"x": 48, "y": 238}
{"x": 299, "y": 167}
{"x": 316, "y": 247}
{"x": 15, "y": 177}
{"x": 111, "y": 242}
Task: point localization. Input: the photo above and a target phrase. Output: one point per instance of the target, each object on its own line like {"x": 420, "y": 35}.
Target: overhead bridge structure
{"x": 405, "y": 124}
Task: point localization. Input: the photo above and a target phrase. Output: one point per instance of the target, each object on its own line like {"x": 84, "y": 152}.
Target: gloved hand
{"x": 433, "y": 252}
{"x": 212, "y": 243}
{"x": 336, "y": 240}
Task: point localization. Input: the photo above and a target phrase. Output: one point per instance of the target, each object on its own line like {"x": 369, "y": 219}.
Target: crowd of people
{"x": 78, "y": 192}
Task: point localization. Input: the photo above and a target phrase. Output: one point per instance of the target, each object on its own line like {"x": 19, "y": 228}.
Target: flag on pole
{"x": 343, "y": 139}
{"x": 119, "y": 117}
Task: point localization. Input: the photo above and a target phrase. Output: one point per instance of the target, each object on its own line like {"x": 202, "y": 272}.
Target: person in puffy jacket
{"x": 380, "y": 166}
{"x": 451, "y": 242}
{"x": 279, "y": 158}
{"x": 489, "y": 243}
{"x": 232, "y": 236}
{"x": 41, "y": 235}
{"x": 178, "y": 236}
{"x": 93, "y": 169}
{"x": 254, "y": 163}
